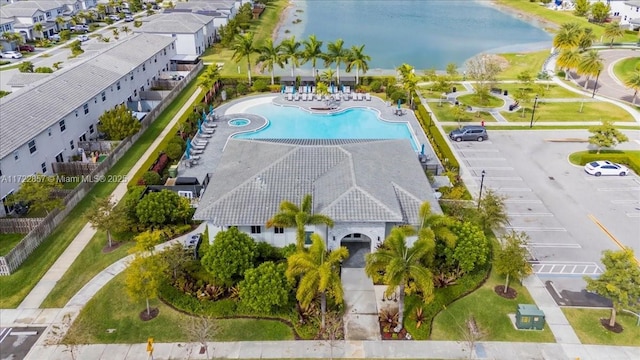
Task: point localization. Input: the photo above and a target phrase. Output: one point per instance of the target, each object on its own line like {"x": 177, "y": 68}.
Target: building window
{"x": 278, "y": 230}
{"x": 91, "y": 129}
{"x": 76, "y": 113}
{"x": 95, "y": 100}
{"x": 118, "y": 85}
{"x": 144, "y": 67}
{"x": 32, "y": 146}
{"x": 16, "y": 157}
{"x": 135, "y": 92}
{"x": 165, "y": 51}
{"x": 357, "y": 236}
{"x": 44, "y": 167}
{"x": 48, "y": 13}
{"x": 49, "y": 131}
{"x": 256, "y": 229}
{"x": 132, "y": 76}
{"x": 71, "y": 145}
{"x": 86, "y": 108}
{"x": 63, "y": 127}
{"x": 104, "y": 96}
{"x": 307, "y": 237}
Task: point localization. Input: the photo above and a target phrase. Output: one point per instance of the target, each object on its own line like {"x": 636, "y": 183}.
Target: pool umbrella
{"x": 282, "y": 89}
{"x": 399, "y": 102}
{"x": 422, "y": 151}
{"x": 139, "y": 106}
{"x": 199, "y": 125}
{"x": 204, "y": 117}
{"x": 188, "y": 152}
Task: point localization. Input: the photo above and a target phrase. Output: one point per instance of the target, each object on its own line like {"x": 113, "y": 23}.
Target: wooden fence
{"x": 11, "y": 261}
{"x": 18, "y": 225}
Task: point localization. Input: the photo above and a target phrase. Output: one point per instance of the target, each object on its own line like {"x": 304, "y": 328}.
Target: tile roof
{"x": 169, "y": 26}
{"x": 364, "y": 181}
{"x": 50, "y": 100}
{"x": 22, "y": 79}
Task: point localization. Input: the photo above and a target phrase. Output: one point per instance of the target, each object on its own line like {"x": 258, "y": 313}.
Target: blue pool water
{"x": 294, "y": 123}
{"x": 239, "y": 122}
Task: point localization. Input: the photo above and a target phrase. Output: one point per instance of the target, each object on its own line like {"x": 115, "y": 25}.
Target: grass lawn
{"x": 576, "y": 157}
{"x": 519, "y": 62}
{"x": 569, "y": 111}
{"x": 445, "y": 114}
{"x": 15, "y": 287}
{"x": 586, "y": 323}
{"x": 87, "y": 265}
{"x": 623, "y": 68}
{"x": 427, "y": 93}
{"x": 550, "y": 92}
{"x": 559, "y": 17}
{"x": 490, "y": 312}
{"x": 112, "y": 309}
{"x": 474, "y": 100}
{"x": 8, "y": 241}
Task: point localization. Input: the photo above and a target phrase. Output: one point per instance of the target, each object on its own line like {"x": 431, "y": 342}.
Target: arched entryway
{"x": 358, "y": 245}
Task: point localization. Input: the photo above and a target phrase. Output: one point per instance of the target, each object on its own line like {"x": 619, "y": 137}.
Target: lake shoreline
{"x": 535, "y": 20}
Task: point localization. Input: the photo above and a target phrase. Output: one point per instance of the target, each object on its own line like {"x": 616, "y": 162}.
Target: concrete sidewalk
{"x": 390, "y": 349}
{"x": 42, "y": 289}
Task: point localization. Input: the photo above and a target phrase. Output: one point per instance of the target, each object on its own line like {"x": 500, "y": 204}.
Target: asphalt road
{"x": 569, "y": 216}
{"x": 16, "y": 342}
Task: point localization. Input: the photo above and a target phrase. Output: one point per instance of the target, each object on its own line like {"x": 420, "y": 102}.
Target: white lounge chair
{"x": 338, "y": 97}
{"x": 196, "y": 157}
{"x": 367, "y": 96}
{"x": 201, "y": 143}
{"x": 204, "y": 136}
{"x": 359, "y": 95}
{"x": 290, "y": 96}
{"x": 296, "y": 97}
{"x": 305, "y": 96}
{"x": 195, "y": 151}
{"x": 210, "y": 125}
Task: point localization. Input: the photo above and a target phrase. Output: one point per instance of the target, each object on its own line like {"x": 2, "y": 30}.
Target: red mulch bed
{"x": 107, "y": 249}
{"x": 510, "y": 294}
{"x": 617, "y": 328}
{"x": 144, "y": 316}
{"x": 402, "y": 335}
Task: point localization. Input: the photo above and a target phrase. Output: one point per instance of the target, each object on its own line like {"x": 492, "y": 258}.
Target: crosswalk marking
{"x": 565, "y": 268}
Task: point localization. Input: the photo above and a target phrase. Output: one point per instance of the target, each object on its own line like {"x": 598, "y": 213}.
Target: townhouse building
{"x": 42, "y": 123}
{"x": 194, "y": 33}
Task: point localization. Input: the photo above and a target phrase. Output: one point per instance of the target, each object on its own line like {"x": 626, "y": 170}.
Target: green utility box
{"x": 173, "y": 171}
{"x": 529, "y": 317}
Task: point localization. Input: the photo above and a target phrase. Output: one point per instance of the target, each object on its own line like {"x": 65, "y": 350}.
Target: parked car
{"x": 11, "y": 55}
{"x": 21, "y": 208}
{"x": 26, "y": 48}
{"x": 83, "y": 37}
{"x": 54, "y": 37}
{"x": 192, "y": 243}
{"x": 604, "y": 167}
{"x": 114, "y": 17}
{"x": 469, "y": 132}
{"x": 79, "y": 28}
{"x": 128, "y": 18}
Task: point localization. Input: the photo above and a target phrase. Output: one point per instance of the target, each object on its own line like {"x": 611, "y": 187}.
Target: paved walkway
{"x": 42, "y": 289}
{"x": 361, "y": 311}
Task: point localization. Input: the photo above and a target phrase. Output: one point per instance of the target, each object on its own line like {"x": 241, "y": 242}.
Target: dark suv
{"x": 469, "y": 132}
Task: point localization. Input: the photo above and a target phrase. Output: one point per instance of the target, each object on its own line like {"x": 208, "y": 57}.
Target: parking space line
{"x": 503, "y": 178}
{"x": 554, "y": 245}
{"x": 529, "y": 214}
{"x": 480, "y": 150}
{"x": 632, "y": 215}
{"x": 620, "y": 189}
{"x": 485, "y": 159}
{"x": 525, "y": 228}
{"x": 521, "y": 201}
{"x": 4, "y": 333}
{"x": 491, "y": 167}
{"x": 625, "y": 201}
{"x": 565, "y": 268}
{"x": 514, "y": 189}
{"x": 609, "y": 234}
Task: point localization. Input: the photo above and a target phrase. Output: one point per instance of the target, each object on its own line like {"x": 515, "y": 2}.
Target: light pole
{"x": 430, "y": 115}
{"x": 481, "y": 184}
{"x": 533, "y": 111}
{"x": 596, "y": 85}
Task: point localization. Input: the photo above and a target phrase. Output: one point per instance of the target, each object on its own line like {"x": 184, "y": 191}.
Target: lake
{"x": 423, "y": 33}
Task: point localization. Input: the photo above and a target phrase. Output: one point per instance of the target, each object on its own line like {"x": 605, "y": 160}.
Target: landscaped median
{"x": 570, "y": 111}
{"x": 586, "y": 323}
{"x": 16, "y": 286}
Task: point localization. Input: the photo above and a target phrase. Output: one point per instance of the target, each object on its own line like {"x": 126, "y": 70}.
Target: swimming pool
{"x": 295, "y": 123}
{"x": 239, "y": 122}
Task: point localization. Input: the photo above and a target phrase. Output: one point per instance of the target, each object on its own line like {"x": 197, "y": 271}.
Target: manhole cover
{"x": 551, "y": 178}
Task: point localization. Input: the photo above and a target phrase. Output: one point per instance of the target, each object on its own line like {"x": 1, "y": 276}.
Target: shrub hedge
{"x": 436, "y": 139}
{"x": 612, "y": 155}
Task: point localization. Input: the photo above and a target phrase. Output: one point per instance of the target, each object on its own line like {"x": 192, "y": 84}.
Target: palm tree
{"x": 60, "y": 22}
{"x": 409, "y": 80}
{"x": 401, "y": 263}
{"x": 319, "y": 271}
{"x": 269, "y": 56}
{"x": 336, "y": 53}
{"x": 569, "y": 59}
{"x": 102, "y": 10}
{"x": 613, "y": 31}
{"x": 436, "y": 226}
{"x": 38, "y": 27}
{"x": 568, "y": 36}
{"x": 358, "y": 59}
{"x": 312, "y": 51}
{"x": 115, "y": 33}
{"x": 291, "y": 215}
{"x": 590, "y": 65}
{"x": 208, "y": 79}
{"x": 290, "y": 52}
{"x": 243, "y": 48}
{"x": 633, "y": 82}
{"x": 328, "y": 76}
{"x": 586, "y": 39}
{"x": 125, "y": 29}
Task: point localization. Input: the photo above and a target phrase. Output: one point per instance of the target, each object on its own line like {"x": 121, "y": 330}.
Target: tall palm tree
{"x": 401, "y": 263}
{"x": 38, "y": 27}
{"x": 359, "y": 60}
{"x": 319, "y": 271}
{"x": 60, "y": 23}
{"x": 102, "y": 10}
{"x": 312, "y": 51}
{"x": 567, "y": 36}
{"x": 291, "y": 215}
{"x": 613, "y": 31}
{"x": 328, "y": 76}
{"x": 633, "y": 82}
{"x": 208, "y": 79}
{"x": 590, "y": 65}
{"x": 290, "y": 53}
{"x": 336, "y": 54}
{"x": 436, "y": 226}
{"x": 243, "y": 48}
{"x": 569, "y": 59}
{"x": 586, "y": 39}
{"x": 269, "y": 56}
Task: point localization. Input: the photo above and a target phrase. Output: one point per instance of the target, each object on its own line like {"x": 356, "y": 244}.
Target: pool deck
{"x": 236, "y": 109}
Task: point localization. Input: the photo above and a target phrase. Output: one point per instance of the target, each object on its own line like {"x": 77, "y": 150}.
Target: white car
{"x": 11, "y": 55}
{"x": 114, "y": 17}
{"x": 83, "y": 37}
{"x": 604, "y": 167}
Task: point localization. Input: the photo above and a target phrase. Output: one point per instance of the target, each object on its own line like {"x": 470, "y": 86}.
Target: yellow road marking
{"x": 610, "y": 235}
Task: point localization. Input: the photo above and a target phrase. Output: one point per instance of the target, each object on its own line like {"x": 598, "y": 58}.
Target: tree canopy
{"x": 38, "y": 192}
{"x": 511, "y": 257}
{"x": 231, "y": 254}
{"x": 265, "y": 288}
{"x": 606, "y": 135}
{"x": 163, "y": 207}
{"x": 118, "y": 123}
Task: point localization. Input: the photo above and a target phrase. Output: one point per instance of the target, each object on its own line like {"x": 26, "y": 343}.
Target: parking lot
{"x": 570, "y": 216}
{"x": 16, "y": 342}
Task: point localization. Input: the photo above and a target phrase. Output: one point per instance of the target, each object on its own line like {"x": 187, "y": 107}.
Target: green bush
{"x": 190, "y": 304}
{"x": 151, "y": 178}
{"x": 260, "y": 85}
{"x": 611, "y": 155}
{"x": 376, "y": 86}
{"x": 65, "y": 35}
{"x": 437, "y": 141}
{"x": 43, "y": 70}
{"x": 93, "y": 26}
{"x": 242, "y": 88}
{"x": 267, "y": 252}
{"x": 398, "y": 95}
{"x": 173, "y": 151}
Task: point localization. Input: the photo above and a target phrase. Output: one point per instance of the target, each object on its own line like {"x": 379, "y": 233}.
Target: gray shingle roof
{"x": 50, "y": 100}
{"x": 169, "y": 26}
{"x": 22, "y": 79}
{"x": 366, "y": 181}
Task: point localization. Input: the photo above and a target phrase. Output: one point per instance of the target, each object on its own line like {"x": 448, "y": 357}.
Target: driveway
{"x": 608, "y": 84}
{"x": 569, "y": 216}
